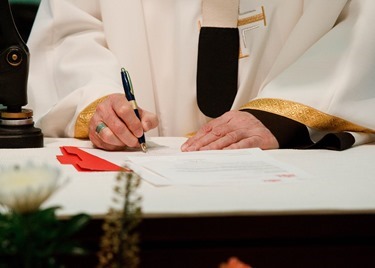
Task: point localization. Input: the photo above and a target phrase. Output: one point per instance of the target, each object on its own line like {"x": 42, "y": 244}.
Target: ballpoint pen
{"x": 129, "y": 93}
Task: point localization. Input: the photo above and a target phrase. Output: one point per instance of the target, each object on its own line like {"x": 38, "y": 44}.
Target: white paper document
{"x": 213, "y": 168}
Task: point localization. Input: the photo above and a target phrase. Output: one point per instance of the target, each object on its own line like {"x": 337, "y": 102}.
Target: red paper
{"x": 84, "y": 161}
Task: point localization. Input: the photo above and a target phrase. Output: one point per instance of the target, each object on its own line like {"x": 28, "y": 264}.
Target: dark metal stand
{"x": 17, "y": 130}
{"x": 16, "y": 124}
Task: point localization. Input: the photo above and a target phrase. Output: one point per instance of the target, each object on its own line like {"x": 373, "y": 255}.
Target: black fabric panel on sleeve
{"x": 289, "y": 133}
{"x": 294, "y": 135}
{"x": 334, "y": 141}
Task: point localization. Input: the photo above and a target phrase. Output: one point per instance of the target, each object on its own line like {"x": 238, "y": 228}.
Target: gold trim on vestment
{"x": 252, "y": 19}
{"x": 306, "y": 115}
{"x": 81, "y": 129}
{"x": 241, "y": 55}
{"x": 190, "y": 134}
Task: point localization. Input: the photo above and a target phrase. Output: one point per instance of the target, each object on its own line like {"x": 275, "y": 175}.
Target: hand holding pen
{"x": 114, "y": 125}
{"x": 129, "y": 93}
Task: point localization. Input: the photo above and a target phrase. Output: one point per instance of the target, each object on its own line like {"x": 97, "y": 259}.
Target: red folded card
{"x": 84, "y": 161}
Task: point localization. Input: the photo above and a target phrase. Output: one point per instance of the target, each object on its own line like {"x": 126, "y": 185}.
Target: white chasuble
{"x": 294, "y": 51}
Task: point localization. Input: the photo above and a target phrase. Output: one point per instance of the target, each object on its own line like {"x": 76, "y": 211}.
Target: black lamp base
{"x": 26, "y": 136}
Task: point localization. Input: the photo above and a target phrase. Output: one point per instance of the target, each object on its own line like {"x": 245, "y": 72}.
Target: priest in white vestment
{"x": 306, "y": 72}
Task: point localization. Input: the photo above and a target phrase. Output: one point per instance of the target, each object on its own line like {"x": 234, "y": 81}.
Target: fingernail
{"x": 139, "y": 132}
{"x": 184, "y": 146}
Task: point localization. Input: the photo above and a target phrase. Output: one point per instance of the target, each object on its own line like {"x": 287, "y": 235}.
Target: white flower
{"x": 24, "y": 188}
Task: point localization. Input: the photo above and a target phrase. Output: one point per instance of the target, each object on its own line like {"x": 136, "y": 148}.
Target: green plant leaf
{"x": 74, "y": 224}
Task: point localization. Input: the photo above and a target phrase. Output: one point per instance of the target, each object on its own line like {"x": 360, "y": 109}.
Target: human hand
{"x": 122, "y": 127}
{"x": 232, "y": 130}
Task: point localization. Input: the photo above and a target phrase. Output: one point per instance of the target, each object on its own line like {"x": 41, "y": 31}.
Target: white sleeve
{"x": 330, "y": 88}
{"x": 70, "y": 64}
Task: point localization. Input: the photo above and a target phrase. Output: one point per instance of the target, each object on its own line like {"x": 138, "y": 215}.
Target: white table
{"x": 330, "y": 215}
{"x": 342, "y": 182}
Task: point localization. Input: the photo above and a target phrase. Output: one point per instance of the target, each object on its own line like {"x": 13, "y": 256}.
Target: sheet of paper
{"x": 213, "y": 168}
{"x": 164, "y": 164}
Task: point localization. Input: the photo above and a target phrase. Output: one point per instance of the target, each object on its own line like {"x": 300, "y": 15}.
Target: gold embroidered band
{"x": 81, "y": 128}
{"x": 252, "y": 19}
{"x": 306, "y": 115}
